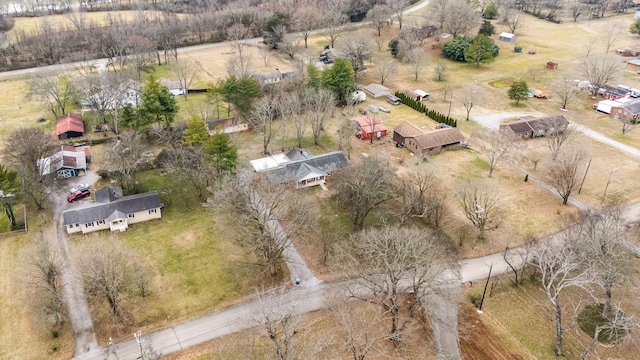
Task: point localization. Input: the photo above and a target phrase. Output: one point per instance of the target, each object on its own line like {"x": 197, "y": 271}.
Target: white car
{"x": 79, "y": 187}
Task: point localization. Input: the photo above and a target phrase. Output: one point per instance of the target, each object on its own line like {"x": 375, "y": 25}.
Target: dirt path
{"x": 73, "y": 290}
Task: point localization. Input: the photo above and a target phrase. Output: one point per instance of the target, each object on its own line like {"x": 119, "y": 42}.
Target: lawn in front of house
{"x": 194, "y": 268}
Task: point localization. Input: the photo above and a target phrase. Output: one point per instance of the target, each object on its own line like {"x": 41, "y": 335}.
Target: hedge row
{"x": 419, "y": 107}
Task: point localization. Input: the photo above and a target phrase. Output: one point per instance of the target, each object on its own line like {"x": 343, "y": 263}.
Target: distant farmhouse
{"x": 128, "y": 93}
{"x": 113, "y": 211}
{"x": 69, "y": 126}
{"x": 67, "y": 162}
{"x": 531, "y": 126}
{"x": 301, "y": 168}
{"x": 426, "y": 142}
{"x": 272, "y": 77}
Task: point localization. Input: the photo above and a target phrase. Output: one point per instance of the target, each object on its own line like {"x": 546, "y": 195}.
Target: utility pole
{"x": 139, "y": 340}
{"x": 485, "y": 290}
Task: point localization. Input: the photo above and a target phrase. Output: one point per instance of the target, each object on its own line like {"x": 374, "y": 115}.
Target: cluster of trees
{"x": 155, "y": 35}
{"x": 420, "y": 107}
{"x": 479, "y": 49}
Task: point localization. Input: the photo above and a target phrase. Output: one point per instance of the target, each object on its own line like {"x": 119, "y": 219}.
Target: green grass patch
{"x": 503, "y": 83}
{"x": 480, "y": 164}
{"x": 591, "y": 317}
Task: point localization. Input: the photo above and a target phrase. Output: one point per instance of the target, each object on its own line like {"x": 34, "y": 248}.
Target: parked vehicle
{"x": 78, "y": 195}
{"x": 328, "y": 61}
{"x": 79, "y": 187}
{"x": 374, "y": 109}
{"x": 362, "y": 111}
{"x": 384, "y": 109}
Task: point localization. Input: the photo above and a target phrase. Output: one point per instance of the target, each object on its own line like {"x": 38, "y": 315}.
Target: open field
{"x": 195, "y": 265}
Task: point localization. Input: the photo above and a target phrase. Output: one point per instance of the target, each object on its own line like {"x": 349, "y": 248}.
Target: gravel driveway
{"x": 73, "y": 291}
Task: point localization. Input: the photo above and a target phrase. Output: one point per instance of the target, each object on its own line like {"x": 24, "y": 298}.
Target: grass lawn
{"x": 194, "y": 269}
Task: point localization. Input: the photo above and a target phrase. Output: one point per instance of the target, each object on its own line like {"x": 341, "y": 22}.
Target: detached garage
{"x": 69, "y": 126}
{"x": 509, "y": 37}
{"x": 607, "y": 106}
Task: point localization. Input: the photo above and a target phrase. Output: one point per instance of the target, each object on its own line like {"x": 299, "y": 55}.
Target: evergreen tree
{"x": 314, "y": 77}
{"x": 490, "y": 11}
{"x": 157, "y": 103}
{"x": 240, "y": 92}
{"x": 195, "y": 133}
{"x": 340, "y": 79}
{"x": 481, "y": 50}
{"x": 487, "y": 28}
{"x": 274, "y": 29}
{"x": 9, "y": 185}
{"x": 394, "y": 46}
{"x": 224, "y": 156}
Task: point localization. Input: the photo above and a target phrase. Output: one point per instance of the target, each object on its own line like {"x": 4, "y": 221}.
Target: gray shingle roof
{"x": 109, "y": 194}
{"x": 101, "y": 211}
{"x": 326, "y": 163}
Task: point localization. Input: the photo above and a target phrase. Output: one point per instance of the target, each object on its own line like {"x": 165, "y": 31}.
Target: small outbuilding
{"x": 228, "y": 126}
{"x": 628, "y": 51}
{"x": 633, "y": 65}
{"x": 552, "y": 65}
{"x": 67, "y": 162}
{"x": 417, "y": 95}
{"x": 69, "y": 126}
{"x": 377, "y": 90}
{"x": 368, "y": 127}
{"x": 509, "y": 37}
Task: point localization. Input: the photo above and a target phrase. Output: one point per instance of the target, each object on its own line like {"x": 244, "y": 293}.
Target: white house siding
{"x": 139, "y": 216}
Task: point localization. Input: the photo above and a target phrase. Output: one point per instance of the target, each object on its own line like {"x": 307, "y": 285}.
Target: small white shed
{"x": 509, "y": 37}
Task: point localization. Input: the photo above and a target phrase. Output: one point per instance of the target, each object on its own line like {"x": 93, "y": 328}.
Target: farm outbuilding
{"x": 368, "y": 127}
{"x": 377, "y": 90}
{"x": 417, "y": 95}
{"x": 551, "y": 65}
{"x": 509, "y": 37}
{"x": 628, "y": 51}
{"x": 633, "y": 65}
{"x": 69, "y": 126}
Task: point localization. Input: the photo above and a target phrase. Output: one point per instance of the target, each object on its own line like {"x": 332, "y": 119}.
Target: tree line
{"x": 420, "y": 107}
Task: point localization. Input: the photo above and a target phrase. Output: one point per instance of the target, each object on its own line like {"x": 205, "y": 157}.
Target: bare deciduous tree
{"x": 495, "y": 145}
{"x": 562, "y": 174}
{"x": 386, "y": 257}
{"x": 384, "y": 69}
{"x": 306, "y": 20}
{"x": 398, "y": 9}
{"x": 610, "y": 34}
{"x": 54, "y": 90}
{"x": 440, "y": 70}
{"x": 290, "y": 45}
{"x": 42, "y": 279}
{"x": 333, "y": 24}
{"x": 576, "y": 8}
{"x": 565, "y": 90}
{"x": 560, "y": 268}
{"x": 600, "y": 69}
{"x": 618, "y": 328}
{"x": 364, "y": 186}
{"x": 123, "y": 158}
{"x": 514, "y": 20}
{"x": 262, "y": 117}
{"x": 280, "y": 323}
{"x": 460, "y": 17}
{"x": 379, "y": 15}
{"x": 24, "y": 150}
{"x": 318, "y": 106}
{"x": 558, "y": 135}
{"x": 346, "y": 130}
{"x": 361, "y": 328}
{"x": 480, "y": 205}
{"x": 186, "y": 74}
{"x": 422, "y": 197}
{"x": 470, "y": 99}
{"x": 416, "y": 58}
{"x": 189, "y": 165}
{"x": 108, "y": 268}
{"x": 357, "y": 50}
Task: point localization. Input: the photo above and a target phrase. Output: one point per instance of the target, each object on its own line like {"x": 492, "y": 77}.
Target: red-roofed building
{"x": 69, "y": 126}
{"x": 369, "y": 127}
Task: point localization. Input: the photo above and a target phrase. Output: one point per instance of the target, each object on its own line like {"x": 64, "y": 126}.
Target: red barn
{"x": 369, "y": 127}
{"x": 69, "y": 126}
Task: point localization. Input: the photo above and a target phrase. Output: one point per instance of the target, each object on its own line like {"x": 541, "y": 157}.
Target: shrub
{"x": 456, "y": 48}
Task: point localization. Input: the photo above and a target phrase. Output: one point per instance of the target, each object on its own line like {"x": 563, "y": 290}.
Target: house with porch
{"x": 67, "y": 162}
{"x": 113, "y": 211}
{"x": 300, "y": 168}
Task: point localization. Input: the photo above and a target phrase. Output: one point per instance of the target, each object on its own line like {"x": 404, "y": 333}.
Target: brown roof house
{"x": 531, "y": 126}
{"x": 69, "y": 126}
{"x": 113, "y": 211}
{"x": 67, "y": 162}
{"x": 426, "y": 142}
